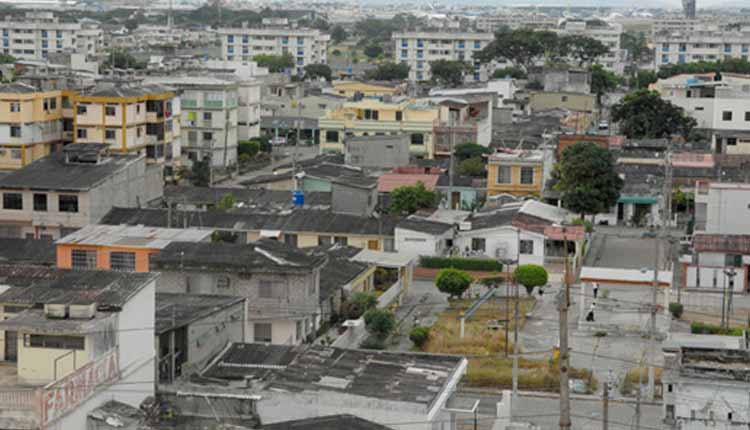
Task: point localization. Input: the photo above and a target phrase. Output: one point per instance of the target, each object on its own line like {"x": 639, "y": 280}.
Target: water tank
{"x": 298, "y": 198}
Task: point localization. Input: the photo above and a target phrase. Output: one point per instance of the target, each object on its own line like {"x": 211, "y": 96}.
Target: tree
{"x": 200, "y": 173}
{"x": 644, "y": 114}
{"x": 227, "y": 202}
{"x": 419, "y": 335}
{"x": 636, "y": 45}
{"x": 642, "y": 79}
{"x": 512, "y": 72}
{"x": 373, "y": 50}
{"x": 586, "y": 179}
{"x": 472, "y": 167}
{"x": 315, "y": 71}
{"x": 449, "y": 73}
{"x": 389, "y": 72}
{"x": 248, "y": 148}
{"x": 6, "y": 59}
{"x": 360, "y": 303}
{"x": 379, "y": 322}
{"x": 522, "y": 47}
{"x": 122, "y": 60}
{"x": 336, "y": 53}
{"x": 583, "y": 48}
{"x": 275, "y": 63}
{"x": 408, "y": 199}
{"x": 602, "y": 81}
{"x": 338, "y": 34}
{"x": 453, "y": 282}
{"x": 468, "y": 150}
{"x": 530, "y": 276}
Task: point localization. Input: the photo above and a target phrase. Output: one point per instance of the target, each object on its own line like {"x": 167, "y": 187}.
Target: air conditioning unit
{"x": 82, "y": 312}
{"x": 56, "y": 311}
{"x": 501, "y": 252}
{"x": 464, "y": 225}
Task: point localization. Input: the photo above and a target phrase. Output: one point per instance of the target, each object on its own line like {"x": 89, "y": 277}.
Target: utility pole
{"x": 638, "y": 399}
{"x": 507, "y": 303}
{"x": 515, "y": 316}
{"x": 296, "y": 147}
{"x": 652, "y": 330}
{"x": 564, "y": 302}
{"x": 451, "y": 166}
{"x": 605, "y": 406}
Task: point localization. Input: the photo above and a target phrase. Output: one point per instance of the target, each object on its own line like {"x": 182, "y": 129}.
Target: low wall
{"x": 352, "y": 337}
{"x": 390, "y": 295}
{"x": 426, "y": 274}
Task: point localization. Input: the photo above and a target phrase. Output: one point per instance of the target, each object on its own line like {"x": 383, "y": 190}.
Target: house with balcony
{"x": 68, "y": 190}
{"x": 281, "y": 283}
{"x": 70, "y": 341}
{"x": 372, "y": 117}
{"x": 518, "y": 172}
{"x": 469, "y": 120}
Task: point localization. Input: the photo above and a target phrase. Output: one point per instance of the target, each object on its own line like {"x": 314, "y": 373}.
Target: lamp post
{"x": 726, "y": 304}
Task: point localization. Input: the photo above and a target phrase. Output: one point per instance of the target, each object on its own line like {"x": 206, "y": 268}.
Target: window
{"x": 68, "y": 203}
{"x": 83, "y": 259}
{"x": 371, "y": 114}
{"x": 109, "y": 134}
{"x": 527, "y": 175}
{"x": 208, "y": 135}
{"x": 222, "y": 282}
{"x": 122, "y": 261}
{"x": 53, "y": 103}
{"x": 669, "y": 388}
{"x": 399, "y": 116}
{"x": 81, "y": 133}
{"x": 13, "y": 201}
{"x": 290, "y": 239}
{"x": 265, "y": 289}
{"x": 733, "y": 260}
{"x": 478, "y": 244}
{"x": 726, "y": 115}
{"x": 747, "y": 116}
{"x": 731, "y": 141}
{"x": 262, "y": 332}
{"x": 503, "y": 175}
{"x": 40, "y": 202}
{"x": 417, "y": 139}
{"x": 15, "y": 107}
{"x": 729, "y": 416}
{"x": 526, "y": 247}
{"x": 324, "y": 240}
{"x": 15, "y": 131}
{"x": 138, "y": 131}
{"x": 15, "y": 154}
{"x": 564, "y": 99}
{"x": 81, "y": 109}
{"x": 56, "y": 342}
{"x": 332, "y": 136}
{"x": 109, "y": 110}
{"x": 341, "y": 240}
{"x": 206, "y": 116}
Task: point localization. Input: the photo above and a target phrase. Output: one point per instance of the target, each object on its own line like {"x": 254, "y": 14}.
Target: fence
{"x": 18, "y": 400}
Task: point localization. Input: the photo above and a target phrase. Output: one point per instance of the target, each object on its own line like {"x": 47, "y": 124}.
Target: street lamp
{"x": 726, "y": 305}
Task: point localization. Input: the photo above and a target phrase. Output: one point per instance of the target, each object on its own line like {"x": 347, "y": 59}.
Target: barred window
{"x": 263, "y": 332}
{"x": 122, "y": 261}
{"x": 55, "y": 342}
{"x": 83, "y": 259}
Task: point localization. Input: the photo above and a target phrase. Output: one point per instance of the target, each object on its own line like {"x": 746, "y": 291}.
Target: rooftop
{"x": 17, "y": 88}
{"x": 339, "y": 269}
{"x": 175, "y": 310}
{"x": 28, "y": 251}
{"x": 732, "y": 243}
{"x": 128, "y": 236}
{"x": 247, "y": 198}
{"x": 262, "y": 256}
{"x": 715, "y": 364}
{"x": 330, "y": 422}
{"x": 424, "y": 225}
{"x": 390, "y": 181}
{"x": 517, "y": 155}
{"x": 53, "y": 173}
{"x": 500, "y": 217}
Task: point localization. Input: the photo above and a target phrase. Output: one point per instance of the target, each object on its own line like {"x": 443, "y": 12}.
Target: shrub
{"x": 698, "y": 327}
{"x": 676, "y": 310}
{"x": 419, "y": 335}
{"x": 379, "y": 322}
{"x": 588, "y": 226}
{"x": 453, "y": 282}
{"x": 359, "y": 304}
{"x": 476, "y": 264}
{"x": 249, "y": 147}
{"x": 373, "y": 342}
{"x": 531, "y": 276}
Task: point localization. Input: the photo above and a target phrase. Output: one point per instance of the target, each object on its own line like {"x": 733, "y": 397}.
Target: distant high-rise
{"x": 689, "y": 7}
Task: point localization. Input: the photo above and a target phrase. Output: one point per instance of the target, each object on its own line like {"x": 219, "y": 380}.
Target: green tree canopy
{"x": 338, "y": 34}
{"x": 523, "y": 47}
{"x": 200, "y": 173}
{"x": 644, "y": 114}
{"x": 122, "y": 60}
{"x": 636, "y": 45}
{"x": 409, "y": 199}
{"x": 583, "y": 49}
{"x": 379, "y": 322}
{"x": 315, "y": 71}
{"x": 586, "y": 179}
{"x": 731, "y": 65}
{"x": 468, "y": 150}
{"x": 642, "y": 79}
{"x": 275, "y": 63}
{"x": 373, "y": 50}
{"x": 7, "y": 59}
{"x": 448, "y": 72}
{"x": 472, "y": 167}
{"x": 530, "y": 276}
{"x": 603, "y": 81}
{"x": 389, "y": 72}
{"x": 226, "y": 203}
{"x": 513, "y": 72}
{"x": 453, "y": 282}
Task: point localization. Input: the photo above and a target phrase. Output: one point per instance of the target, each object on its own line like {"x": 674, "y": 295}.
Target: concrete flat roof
{"x": 137, "y": 236}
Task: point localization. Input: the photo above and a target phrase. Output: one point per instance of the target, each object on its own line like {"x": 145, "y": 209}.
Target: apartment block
{"x": 307, "y": 46}
{"x": 608, "y": 33}
{"x": 30, "y": 124}
{"x": 41, "y": 34}
{"x": 704, "y": 42}
{"x": 419, "y": 49}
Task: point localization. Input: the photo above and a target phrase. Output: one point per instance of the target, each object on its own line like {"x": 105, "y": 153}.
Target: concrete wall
{"x": 353, "y": 200}
{"x": 419, "y": 243}
{"x": 388, "y": 153}
{"x": 208, "y": 336}
{"x": 728, "y": 211}
{"x": 695, "y": 398}
{"x": 504, "y": 238}
{"x": 712, "y": 277}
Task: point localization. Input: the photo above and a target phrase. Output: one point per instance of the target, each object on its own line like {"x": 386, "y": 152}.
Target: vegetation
{"x": 453, "y": 282}
{"x": 409, "y": 199}
{"x": 338, "y": 34}
{"x": 642, "y": 79}
{"x": 586, "y": 179}
{"x": 388, "y": 72}
{"x": 531, "y": 276}
{"x": 472, "y": 167}
{"x": 315, "y": 71}
{"x": 584, "y": 49}
{"x": 587, "y": 225}
{"x": 419, "y": 335}
{"x": 635, "y": 43}
{"x": 644, "y": 114}
{"x": 275, "y": 63}
{"x": 379, "y": 322}
{"x": 373, "y": 50}
{"x": 637, "y": 375}
{"x": 122, "y": 60}
{"x": 676, "y": 309}
{"x": 603, "y": 81}
{"x": 6, "y": 59}
{"x": 465, "y": 151}
{"x": 226, "y": 203}
{"x": 359, "y": 303}
{"x": 449, "y": 73}
{"x": 251, "y": 148}
{"x": 513, "y": 72}
{"x": 698, "y": 327}
{"x": 730, "y": 65}
{"x": 472, "y": 264}
{"x": 682, "y": 201}
{"x": 199, "y": 173}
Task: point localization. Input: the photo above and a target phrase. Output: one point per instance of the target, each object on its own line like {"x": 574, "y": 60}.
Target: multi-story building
{"x": 41, "y": 34}
{"x": 608, "y": 33}
{"x": 73, "y": 341}
{"x": 419, "y": 49}
{"x": 130, "y": 119}
{"x": 704, "y": 42}
{"x": 306, "y": 46}
{"x": 518, "y": 173}
{"x": 30, "y": 124}
{"x": 372, "y": 117}
{"x": 719, "y": 104}
{"x": 492, "y": 23}
{"x": 67, "y": 190}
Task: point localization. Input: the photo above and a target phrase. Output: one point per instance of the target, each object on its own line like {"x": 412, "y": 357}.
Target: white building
{"x": 702, "y": 42}
{"x": 719, "y": 103}
{"x": 419, "y": 49}
{"x": 73, "y": 340}
{"x": 416, "y": 236}
{"x": 505, "y": 88}
{"x": 306, "y": 46}
{"x": 41, "y": 34}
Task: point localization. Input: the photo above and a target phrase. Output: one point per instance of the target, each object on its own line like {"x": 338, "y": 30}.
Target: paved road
{"x": 281, "y": 155}
{"x": 422, "y": 303}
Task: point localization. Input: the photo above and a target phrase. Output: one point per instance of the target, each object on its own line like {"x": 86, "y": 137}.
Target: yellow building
{"x": 373, "y": 118}
{"x": 350, "y": 88}
{"x": 142, "y": 119}
{"x": 30, "y": 124}
{"x": 519, "y": 173}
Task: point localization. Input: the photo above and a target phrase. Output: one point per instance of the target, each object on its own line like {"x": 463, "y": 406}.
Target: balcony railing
{"x": 21, "y": 399}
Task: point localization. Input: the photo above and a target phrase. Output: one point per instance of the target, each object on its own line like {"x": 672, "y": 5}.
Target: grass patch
{"x": 630, "y": 384}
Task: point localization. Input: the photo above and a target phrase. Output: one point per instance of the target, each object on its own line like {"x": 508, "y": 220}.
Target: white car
{"x": 603, "y": 125}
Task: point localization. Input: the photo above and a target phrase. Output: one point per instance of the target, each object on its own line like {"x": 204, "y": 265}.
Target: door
{"x": 11, "y": 346}
{"x": 373, "y": 244}
{"x": 455, "y": 200}
{"x": 620, "y": 212}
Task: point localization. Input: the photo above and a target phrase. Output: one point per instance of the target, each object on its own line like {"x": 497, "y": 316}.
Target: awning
{"x": 638, "y": 200}
{"x": 273, "y": 234}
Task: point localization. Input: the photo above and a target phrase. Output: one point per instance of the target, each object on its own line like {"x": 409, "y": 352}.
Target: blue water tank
{"x": 298, "y": 198}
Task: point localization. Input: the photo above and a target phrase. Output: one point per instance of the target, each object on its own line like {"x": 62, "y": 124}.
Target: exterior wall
{"x": 35, "y": 39}
{"x": 210, "y": 335}
{"x": 712, "y": 276}
{"x": 418, "y": 243}
{"x": 142, "y": 256}
{"x": 419, "y": 49}
{"x": 724, "y": 205}
{"x": 248, "y": 110}
{"x": 515, "y": 187}
{"x": 349, "y": 89}
{"x": 694, "y": 410}
{"x": 502, "y": 242}
{"x": 387, "y": 154}
{"x": 353, "y": 201}
{"x": 700, "y": 44}
{"x": 571, "y": 101}
{"x": 37, "y": 365}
